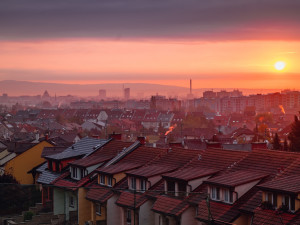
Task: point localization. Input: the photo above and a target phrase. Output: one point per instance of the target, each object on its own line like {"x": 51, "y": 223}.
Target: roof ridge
{"x": 288, "y": 168}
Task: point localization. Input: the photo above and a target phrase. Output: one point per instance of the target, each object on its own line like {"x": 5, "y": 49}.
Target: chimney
{"x": 141, "y": 139}
{"x": 116, "y": 136}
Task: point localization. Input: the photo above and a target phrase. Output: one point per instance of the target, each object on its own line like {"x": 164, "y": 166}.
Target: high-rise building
{"x": 102, "y": 94}
{"x": 126, "y": 93}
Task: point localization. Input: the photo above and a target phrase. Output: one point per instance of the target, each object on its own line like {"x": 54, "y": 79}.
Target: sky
{"x": 217, "y": 43}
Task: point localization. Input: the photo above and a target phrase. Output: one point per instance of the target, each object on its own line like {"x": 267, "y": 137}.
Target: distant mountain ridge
{"x": 138, "y": 90}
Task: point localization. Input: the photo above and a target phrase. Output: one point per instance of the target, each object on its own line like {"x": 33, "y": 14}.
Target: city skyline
{"x": 232, "y": 45}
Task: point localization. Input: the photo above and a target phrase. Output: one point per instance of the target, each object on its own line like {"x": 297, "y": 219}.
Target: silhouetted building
{"x": 126, "y": 93}
{"x": 102, "y": 94}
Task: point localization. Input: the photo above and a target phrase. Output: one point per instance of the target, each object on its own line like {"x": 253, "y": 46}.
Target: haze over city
{"x": 219, "y": 45}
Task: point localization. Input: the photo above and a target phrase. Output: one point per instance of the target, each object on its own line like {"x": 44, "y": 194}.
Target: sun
{"x": 280, "y": 65}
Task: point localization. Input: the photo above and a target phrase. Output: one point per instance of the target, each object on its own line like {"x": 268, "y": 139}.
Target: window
{"x": 171, "y": 187}
{"x": 269, "y": 197}
{"x": 286, "y": 201}
{"x": 289, "y": 202}
{"x": 74, "y": 172}
{"x": 133, "y": 183}
{"x": 181, "y": 188}
{"x": 98, "y": 209}
{"x": 215, "y": 193}
{"x": 102, "y": 179}
{"x": 109, "y": 181}
{"x": 57, "y": 166}
{"x": 228, "y": 196}
{"x": 128, "y": 216}
{"x": 71, "y": 201}
{"x": 81, "y": 173}
{"x": 143, "y": 185}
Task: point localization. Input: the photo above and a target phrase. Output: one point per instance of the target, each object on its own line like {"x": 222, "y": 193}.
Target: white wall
{"x": 188, "y": 217}
{"x": 58, "y": 201}
{"x": 154, "y": 180}
{"x": 242, "y": 189}
{"x": 197, "y": 182}
{"x": 115, "y": 215}
{"x": 146, "y": 215}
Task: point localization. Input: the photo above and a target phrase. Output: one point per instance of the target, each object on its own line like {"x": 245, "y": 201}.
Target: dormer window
{"x": 102, "y": 179}
{"x": 271, "y": 198}
{"x": 81, "y": 173}
{"x": 215, "y": 193}
{"x": 74, "y": 173}
{"x": 133, "y": 183}
{"x": 109, "y": 181}
{"x": 288, "y": 202}
{"x": 143, "y": 185}
{"x": 228, "y": 196}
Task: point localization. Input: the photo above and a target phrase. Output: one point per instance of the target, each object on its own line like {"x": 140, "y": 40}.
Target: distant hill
{"x": 17, "y": 88}
{"x": 138, "y": 90}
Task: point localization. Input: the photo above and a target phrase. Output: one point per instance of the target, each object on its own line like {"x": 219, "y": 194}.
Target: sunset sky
{"x": 219, "y": 44}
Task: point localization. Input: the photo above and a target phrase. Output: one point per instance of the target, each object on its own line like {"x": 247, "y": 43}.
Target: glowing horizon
{"x": 156, "y": 61}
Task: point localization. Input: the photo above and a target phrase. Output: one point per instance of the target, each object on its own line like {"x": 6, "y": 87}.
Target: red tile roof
{"x": 99, "y": 193}
{"x": 64, "y": 181}
{"x": 131, "y": 200}
{"x": 190, "y": 173}
{"x": 139, "y": 157}
{"x": 271, "y": 217}
{"x": 267, "y": 161}
{"x": 218, "y": 158}
{"x": 253, "y": 202}
{"x": 219, "y": 212}
{"x": 289, "y": 184}
{"x": 103, "y": 154}
{"x": 169, "y": 206}
{"x": 237, "y": 178}
{"x": 175, "y": 159}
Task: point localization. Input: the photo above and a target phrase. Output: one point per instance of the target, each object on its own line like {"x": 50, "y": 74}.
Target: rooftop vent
{"x": 199, "y": 157}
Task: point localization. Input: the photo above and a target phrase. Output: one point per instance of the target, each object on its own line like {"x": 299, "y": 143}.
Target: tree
{"x": 294, "y": 136}
{"x": 276, "y": 142}
{"x": 264, "y": 118}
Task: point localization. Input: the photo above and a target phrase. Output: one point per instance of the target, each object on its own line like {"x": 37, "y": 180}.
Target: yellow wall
{"x": 21, "y": 164}
{"x": 263, "y": 197}
{"x": 279, "y": 201}
{"x": 119, "y": 176}
{"x": 243, "y": 220}
{"x": 116, "y": 178}
{"x": 297, "y": 203}
{"x": 95, "y": 217}
{"x": 84, "y": 208}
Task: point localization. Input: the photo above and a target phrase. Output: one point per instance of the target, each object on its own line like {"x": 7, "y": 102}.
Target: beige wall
{"x": 242, "y": 189}
{"x": 146, "y": 216}
{"x": 114, "y": 212}
{"x": 188, "y": 217}
{"x": 195, "y": 183}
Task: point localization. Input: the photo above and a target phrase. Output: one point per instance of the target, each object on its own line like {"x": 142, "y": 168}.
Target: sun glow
{"x": 280, "y": 65}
